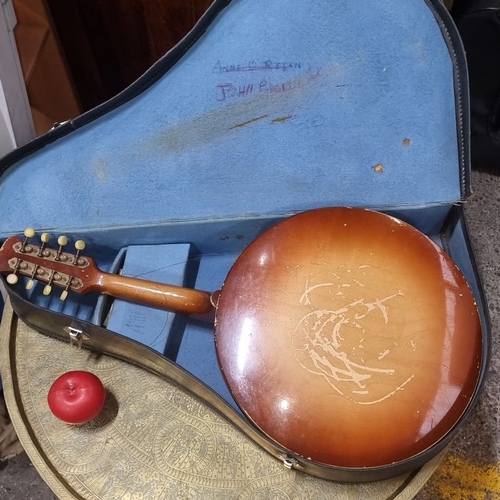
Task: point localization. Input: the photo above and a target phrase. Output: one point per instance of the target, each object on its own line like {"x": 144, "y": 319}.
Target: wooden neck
{"x": 162, "y": 296}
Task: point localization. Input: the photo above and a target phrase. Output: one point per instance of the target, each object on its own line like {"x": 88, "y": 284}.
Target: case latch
{"x": 291, "y": 463}
{"x": 76, "y": 336}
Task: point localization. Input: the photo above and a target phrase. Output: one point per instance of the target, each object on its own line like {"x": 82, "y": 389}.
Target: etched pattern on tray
{"x": 152, "y": 440}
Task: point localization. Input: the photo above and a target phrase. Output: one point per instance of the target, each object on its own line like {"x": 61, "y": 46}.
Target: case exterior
{"x": 264, "y": 110}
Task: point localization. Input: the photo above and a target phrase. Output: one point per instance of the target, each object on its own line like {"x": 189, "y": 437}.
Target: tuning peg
{"x": 31, "y": 282}
{"x": 79, "y": 245}
{"x": 29, "y": 232}
{"x": 61, "y": 241}
{"x": 48, "y": 287}
{"x": 13, "y": 278}
{"x": 45, "y": 237}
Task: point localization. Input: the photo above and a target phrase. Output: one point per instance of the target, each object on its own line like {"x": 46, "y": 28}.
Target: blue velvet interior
{"x": 279, "y": 107}
{"x": 188, "y": 342}
{"x": 197, "y": 349}
{"x": 151, "y": 327}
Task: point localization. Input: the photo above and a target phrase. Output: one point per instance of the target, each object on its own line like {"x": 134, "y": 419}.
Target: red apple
{"x": 76, "y": 397}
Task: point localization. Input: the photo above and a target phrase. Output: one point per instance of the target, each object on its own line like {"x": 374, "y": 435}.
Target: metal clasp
{"x": 289, "y": 462}
{"x": 76, "y": 336}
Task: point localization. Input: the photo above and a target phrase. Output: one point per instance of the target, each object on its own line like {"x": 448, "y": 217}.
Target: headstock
{"x": 53, "y": 266}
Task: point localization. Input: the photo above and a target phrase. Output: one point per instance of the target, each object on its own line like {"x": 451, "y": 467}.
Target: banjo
{"x": 345, "y": 335}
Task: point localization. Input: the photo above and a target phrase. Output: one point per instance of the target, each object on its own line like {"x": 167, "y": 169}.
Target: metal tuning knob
{"x": 13, "y": 278}
{"x": 29, "y": 232}
{"x": 31, "y": 282}
{"x": 45, "y": 237}
{"x": 48, "y": 287}
{"x": 80, "y": 246}
{"x": 65, "y": 292}
{"x": 61, "y": 241}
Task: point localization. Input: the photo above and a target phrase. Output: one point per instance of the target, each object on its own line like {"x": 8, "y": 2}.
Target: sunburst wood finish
{"x": 345, "y": 335}
{"x": 349, "y": 337}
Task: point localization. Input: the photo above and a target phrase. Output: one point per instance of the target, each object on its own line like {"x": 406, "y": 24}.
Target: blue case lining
{"x": 279, "y": 107}
{"x": 161, "y": 263}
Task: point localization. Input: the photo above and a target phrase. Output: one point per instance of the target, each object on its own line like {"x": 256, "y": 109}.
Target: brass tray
{"x": 152, "y": 440}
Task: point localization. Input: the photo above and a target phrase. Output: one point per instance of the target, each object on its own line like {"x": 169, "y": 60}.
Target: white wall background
{"x": 16, "y": 122}
{"x": 7, "y": 139}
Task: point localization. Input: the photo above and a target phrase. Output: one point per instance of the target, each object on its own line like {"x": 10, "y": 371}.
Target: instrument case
{"x": 264, "y": 110}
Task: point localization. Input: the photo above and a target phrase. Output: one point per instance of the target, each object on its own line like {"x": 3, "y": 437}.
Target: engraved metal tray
{"x": 153, "y": 440}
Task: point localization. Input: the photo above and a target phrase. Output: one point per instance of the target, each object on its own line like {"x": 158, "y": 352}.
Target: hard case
{"x": 264, "y": 110}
